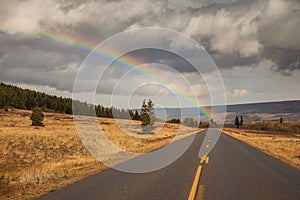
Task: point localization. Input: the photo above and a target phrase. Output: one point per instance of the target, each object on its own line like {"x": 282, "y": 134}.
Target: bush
{"x": 37, "y": 117}
{"x": 203, "y": 125}
{"x": 174, "y": 121}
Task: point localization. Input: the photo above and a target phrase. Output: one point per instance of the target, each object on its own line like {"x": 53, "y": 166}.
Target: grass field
{"x": 281, "y": 145}
{"x": 37, "y": 160}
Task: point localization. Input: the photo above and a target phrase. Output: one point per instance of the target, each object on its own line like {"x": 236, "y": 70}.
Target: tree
{"x": 237, "y": 122}
{"x": 136, "y": 116}
{"x": 200, "y": 124}
{"x": 37, "y": 117}
{"x": 242, "y": 121}
{"x": 281, "y": 120}
{"x": 147, "y": 117}
{"x": 152, "y": 116}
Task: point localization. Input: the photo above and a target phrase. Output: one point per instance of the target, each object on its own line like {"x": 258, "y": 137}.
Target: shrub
{"x": 37, "y": 117}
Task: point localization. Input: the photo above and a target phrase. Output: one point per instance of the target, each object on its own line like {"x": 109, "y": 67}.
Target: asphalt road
{"x": 235, "y": 171}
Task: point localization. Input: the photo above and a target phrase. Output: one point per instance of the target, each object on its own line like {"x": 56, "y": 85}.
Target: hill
{"x": 16, "y": 97}
{"x": 267, "y": 107}
{"x": 252, "y": 112}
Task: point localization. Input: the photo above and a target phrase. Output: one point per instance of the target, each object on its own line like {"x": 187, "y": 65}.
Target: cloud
{"x": 225, "y": 34}
{"x": 235, "y": 33}
{"x": 279, "y": 24}
{"x": 26, "y": 59}
{"x": 262, "y": 83}
{"x": 150, "y": 79}
{"x": 192, "y": 4}
{"x": 237, "y": 93}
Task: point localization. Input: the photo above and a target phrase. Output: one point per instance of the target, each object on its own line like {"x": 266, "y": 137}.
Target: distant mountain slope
{"x": 268, "y": 107}
{"x": 270, "y": 111}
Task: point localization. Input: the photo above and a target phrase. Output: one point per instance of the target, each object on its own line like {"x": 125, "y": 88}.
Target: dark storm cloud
{"x": 33, "y": 60}
{"x": 286, "y": 60}
{"x": 228, "y": 61}
{"x": 163, "y": 57}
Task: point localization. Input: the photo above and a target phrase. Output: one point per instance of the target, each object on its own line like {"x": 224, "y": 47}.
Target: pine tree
{"x": 37, "y": 117}
{"x": 281, "y": 120}
{"x": 237, "y": 122}
{"x": 136, "y": 116}
{"x": 241, "y": 121}
{"x": 150, "y": 106}
{"x": 200, "y": 124}
{"x": 147, "y": 117}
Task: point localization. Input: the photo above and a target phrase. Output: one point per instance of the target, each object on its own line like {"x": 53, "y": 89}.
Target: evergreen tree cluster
{"x": 12, "y": 96}
{"x": 238, "y": 122}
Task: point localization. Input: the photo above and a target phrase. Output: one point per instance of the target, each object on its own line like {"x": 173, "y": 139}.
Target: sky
{"x": 254, "y": 43}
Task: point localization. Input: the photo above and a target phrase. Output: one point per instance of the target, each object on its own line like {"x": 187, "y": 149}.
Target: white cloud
{"x": 237, "y": 93}
{"x": 225, "y": 33}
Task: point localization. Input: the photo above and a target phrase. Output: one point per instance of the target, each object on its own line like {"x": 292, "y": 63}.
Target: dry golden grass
{"x": 283, "y": 146}
{"x": 37, "y": 160}
{"x": 287, "y": 127}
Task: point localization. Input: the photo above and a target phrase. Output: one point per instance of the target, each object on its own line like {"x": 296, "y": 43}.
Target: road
{"x": 234, "y": 171}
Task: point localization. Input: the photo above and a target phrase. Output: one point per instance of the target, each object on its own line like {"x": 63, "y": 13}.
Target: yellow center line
{"x": 193, "y": 191}
{"x": 207, "y": 160}
{"x": 195, "y": 184}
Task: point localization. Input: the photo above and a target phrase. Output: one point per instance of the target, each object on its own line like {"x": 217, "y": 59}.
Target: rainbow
{"x": 127, "y": 62}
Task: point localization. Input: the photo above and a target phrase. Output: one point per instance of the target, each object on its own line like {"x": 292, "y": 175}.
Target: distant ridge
{"x": 292, "y": 106}
{"x": 254, "y": 111}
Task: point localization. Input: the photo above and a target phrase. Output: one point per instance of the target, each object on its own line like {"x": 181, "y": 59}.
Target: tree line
{"x": 19, "y": 98}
